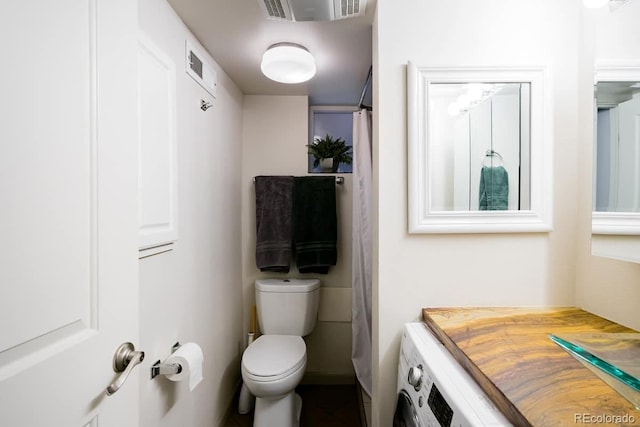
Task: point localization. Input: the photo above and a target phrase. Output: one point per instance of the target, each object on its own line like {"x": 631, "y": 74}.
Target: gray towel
{"x": 494, "y": 189}
{"x": 274, "y": 224}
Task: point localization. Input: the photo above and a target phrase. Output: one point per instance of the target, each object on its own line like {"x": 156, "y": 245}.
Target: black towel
{"x": 274, "y": 222}
{"x": 315, "y": 223}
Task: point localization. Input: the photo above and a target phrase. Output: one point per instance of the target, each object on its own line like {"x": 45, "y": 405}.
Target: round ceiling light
{"x": 288, "y": 63}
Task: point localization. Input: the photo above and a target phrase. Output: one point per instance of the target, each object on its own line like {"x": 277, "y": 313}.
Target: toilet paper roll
{"x": 190, "y": 357}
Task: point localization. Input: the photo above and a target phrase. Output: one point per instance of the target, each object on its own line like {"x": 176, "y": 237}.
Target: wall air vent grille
{"x": 200, "y": 70}
{"x": 277, "y": 9}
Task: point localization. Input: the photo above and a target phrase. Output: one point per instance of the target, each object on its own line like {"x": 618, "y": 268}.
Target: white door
{"x": 68, "y": 213}
{"x": 627, "y": 163}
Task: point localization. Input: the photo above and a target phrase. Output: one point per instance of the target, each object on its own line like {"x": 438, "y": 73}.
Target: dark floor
{"x": 322, "y": 406}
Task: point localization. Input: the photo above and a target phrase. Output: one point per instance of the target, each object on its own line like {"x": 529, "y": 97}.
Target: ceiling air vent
{"x": 349, "y": 8}
{"x": 312, "y": 10}
{"x": 277, "y": 9}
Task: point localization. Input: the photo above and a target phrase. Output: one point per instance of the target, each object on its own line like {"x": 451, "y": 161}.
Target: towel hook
{"x": 491, "y": 154}
{"x": 204, "y": 105}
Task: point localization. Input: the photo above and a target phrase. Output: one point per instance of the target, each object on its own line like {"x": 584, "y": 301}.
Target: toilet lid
{"x": 274, "y": 355}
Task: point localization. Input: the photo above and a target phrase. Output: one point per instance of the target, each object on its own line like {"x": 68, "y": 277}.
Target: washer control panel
{"x": 415, "y": 377}
{"x": 441, "y": 392}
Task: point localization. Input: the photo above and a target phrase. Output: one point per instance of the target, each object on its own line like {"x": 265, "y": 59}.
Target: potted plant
{"x": 329, "y": 150}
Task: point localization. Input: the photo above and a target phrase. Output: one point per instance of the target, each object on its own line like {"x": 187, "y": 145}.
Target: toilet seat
{"x": 273, "y": 357}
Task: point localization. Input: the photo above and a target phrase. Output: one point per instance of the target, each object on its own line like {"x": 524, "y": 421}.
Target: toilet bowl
{"x": 272, "y": 367}
{"x": 274, "y": 364}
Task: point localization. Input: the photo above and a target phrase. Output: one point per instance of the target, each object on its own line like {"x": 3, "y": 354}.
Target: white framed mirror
{"x": 616, "y": 168}
{"x": 479, "y": 150}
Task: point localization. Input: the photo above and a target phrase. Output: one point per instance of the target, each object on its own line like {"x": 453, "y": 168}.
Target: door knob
{"x": 124, "y": 360}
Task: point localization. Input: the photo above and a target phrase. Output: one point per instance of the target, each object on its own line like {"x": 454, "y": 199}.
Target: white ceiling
{"x": 237, "y": 32}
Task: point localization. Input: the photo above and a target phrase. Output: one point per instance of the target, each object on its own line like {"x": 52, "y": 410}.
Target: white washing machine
{"x": 433, "y": 388}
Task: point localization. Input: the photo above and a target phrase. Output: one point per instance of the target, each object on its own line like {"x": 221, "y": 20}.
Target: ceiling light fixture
{"x": 288, "y": 63}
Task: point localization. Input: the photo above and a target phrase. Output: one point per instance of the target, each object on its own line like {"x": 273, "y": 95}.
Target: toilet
{"x": 274, "y": 364}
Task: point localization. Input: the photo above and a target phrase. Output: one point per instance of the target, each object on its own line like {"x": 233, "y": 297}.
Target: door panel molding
{"x": 38, "y": 289}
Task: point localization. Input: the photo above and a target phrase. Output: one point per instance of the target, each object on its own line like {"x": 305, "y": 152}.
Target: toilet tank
{"x": 287, "y": 306}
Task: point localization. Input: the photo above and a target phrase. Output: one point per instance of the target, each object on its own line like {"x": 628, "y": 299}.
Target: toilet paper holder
{"x": 160, "y": 368}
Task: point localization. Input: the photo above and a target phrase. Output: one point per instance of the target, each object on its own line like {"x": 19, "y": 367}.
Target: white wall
{"x": 194, "y": 293}
{"x": 275, "y": 133}
{"x": 416, "y": 271}
{"x": 604, "y": 286}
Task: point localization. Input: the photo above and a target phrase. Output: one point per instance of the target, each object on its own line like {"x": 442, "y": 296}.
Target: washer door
{"x": 405, "y": 415}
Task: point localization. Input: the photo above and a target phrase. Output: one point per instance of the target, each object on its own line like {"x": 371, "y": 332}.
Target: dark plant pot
{"x": 334, "y": 166}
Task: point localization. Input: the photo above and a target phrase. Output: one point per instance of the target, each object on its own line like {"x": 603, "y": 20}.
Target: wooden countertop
{"x": 531, "y": 379}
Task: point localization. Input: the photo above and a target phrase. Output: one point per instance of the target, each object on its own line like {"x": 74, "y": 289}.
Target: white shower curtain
{"x": 362, "y": 251}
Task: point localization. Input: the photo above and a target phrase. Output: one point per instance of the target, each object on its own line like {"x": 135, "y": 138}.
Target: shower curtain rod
{"x": 339, "y": 180}
{"x": 364, "y": 90}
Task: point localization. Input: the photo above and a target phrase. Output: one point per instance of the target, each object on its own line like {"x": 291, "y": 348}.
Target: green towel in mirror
{"x": 494, "y": 189}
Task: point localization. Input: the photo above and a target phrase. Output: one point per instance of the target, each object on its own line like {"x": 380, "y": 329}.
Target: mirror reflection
{"x": 617, "y": 157}
{"x": 479, "y": 146}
